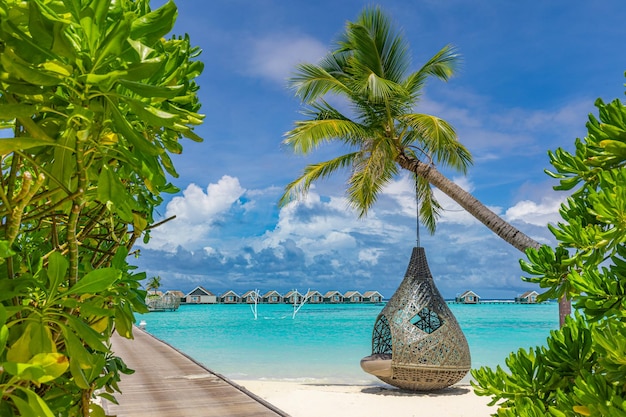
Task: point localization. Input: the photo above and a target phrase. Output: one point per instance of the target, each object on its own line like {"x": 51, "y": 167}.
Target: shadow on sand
{"x": 446, "y": 392}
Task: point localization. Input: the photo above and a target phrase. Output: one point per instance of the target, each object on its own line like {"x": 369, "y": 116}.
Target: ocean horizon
{"x": 325, "y": 342}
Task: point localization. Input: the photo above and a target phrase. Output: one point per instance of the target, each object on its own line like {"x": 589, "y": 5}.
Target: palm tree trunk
{"x": 477, "y": 209}
{"x": 499, "y": 226}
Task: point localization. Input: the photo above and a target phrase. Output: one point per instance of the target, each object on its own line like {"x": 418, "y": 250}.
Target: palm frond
{"x": 369, "y": 68}
{"x": 364, "y": 50}
{"x": 371, "y": 173}
{"x": 437, "y": 138}
{"x": 442, "y": 65}
{"x": 430, "y": 209}
{"x": 378, "y": 89}
{"x": 312, "y": 82}
{"x": 312, "y": 172}
{"x": 325, "y": 124}
{"x": 390, "y": 48}
{"x": 335, "y": 64}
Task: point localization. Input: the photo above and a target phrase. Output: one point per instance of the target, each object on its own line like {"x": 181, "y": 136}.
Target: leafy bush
{"x": 582, "y": 369}
{"x": 92, "y": 100}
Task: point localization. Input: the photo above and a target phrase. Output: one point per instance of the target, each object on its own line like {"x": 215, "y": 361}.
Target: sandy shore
{"x": 311, "y": 399}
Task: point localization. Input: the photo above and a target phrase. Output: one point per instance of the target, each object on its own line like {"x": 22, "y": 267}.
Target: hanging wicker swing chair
{"x": 417, "y": 343}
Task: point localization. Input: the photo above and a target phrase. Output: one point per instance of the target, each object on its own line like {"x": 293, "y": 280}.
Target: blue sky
{"x": 529, "y": 78}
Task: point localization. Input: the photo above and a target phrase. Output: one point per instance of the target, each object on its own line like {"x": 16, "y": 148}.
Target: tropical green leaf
{"x": 53, "y": 364}
{"x": 4, "y": 336}
{"x": 5, "y": 249}
{"x": 148, "y": 90}
{"x": 144, "y": 69}
{"x": 312, "y": 173}
{"x": 438, "y": 139}
{"x": 76, "y": 350}
{"x": 92, "y": 338}
{"x": 13, "y": 111}
{"x": 25, "y": 371}
{"x": 152, "y": 115}
{"x": 96, "y": 281}
{"x": 38, "y": 404}
{"x": 95, "y": 410}
{"x": 124, "y": 320}
{"x": 33, "y": 406}
{"x": 113, "y": 44}
{"x": 19, "y": 351}
{"x": 104, "y": 99}
{"x": 312, "y": 82}
{"x": 41, "y": 340}
{"x": 78, "y": 374}
{"x": 22, "y": 143}
{"x": 22, "y": 70}
{"x": 129, "y": 132}
{"x": 154, "y": 25}
{"x": 39, "y": 27}
{"x": 61, "y": 45}
{"x": 57, "y": 270}
{"x": 64, "y": 164}
{"x": 111, "y": 190}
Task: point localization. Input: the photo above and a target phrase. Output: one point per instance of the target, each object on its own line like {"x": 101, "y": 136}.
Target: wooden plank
{"x": 168, "y": 383}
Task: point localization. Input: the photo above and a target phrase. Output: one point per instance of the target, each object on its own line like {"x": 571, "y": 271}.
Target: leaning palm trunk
{"x": 499, "y": 226}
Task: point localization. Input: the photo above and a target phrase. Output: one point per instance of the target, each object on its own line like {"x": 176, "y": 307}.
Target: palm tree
{"x": 370, "y": 69}
{"x": 154, "y": 284}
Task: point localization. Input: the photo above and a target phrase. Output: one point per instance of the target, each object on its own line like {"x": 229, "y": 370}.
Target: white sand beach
{"x": 311, "y": 399}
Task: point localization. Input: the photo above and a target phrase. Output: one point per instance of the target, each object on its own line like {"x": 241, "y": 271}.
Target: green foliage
{"x": 369, "y": 69}
{"x": 153, "y": 284}
{"x": 93, "y": 99}
{"x": 581, "y": 370}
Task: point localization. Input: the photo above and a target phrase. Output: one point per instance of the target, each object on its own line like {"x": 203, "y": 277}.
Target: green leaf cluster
{"x": 369, "y": 71}
{"x": 581, "y": 371}
{"x": 93, "y": 101}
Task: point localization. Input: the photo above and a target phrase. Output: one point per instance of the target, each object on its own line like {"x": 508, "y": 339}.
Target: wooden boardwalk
{"x": 168, "y": 383}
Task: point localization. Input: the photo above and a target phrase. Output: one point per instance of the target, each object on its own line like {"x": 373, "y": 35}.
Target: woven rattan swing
{"x": 417, "y": 344}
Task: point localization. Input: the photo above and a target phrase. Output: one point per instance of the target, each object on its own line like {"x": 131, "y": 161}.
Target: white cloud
{"x": 196, "y": 212}
{"x": 317, "y": 226}
{"x": 370, "y": 255}
{"x": 196, "y": 206}
{"x": 275, "y": 56}
{"x": 538, "y": 214}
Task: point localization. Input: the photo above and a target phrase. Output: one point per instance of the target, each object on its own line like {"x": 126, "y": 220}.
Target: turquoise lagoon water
{"x": 326, "y": 342}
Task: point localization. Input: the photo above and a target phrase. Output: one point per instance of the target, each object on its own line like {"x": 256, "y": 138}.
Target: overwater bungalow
{"x": 272, "y": 297}
{"x": 372, "y": 297}
{"x": 164, "y": 302}
{"x": 529, "y": 297}
{"x": 352, "y": 297}
{"x": 293, "y": 297}
{"x": 333, "y": 297}
{"x": 176, "y": 293}
{"x": 230, "y": 297}
{"x": 200, "y": 295}
{"x": 314, "y": 297}
{"x": 468, "y": 297}
{"x": 249, "y": 297}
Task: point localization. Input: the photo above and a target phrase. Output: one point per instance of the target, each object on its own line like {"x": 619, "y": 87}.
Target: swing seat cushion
{"x": 378, "y": 364}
